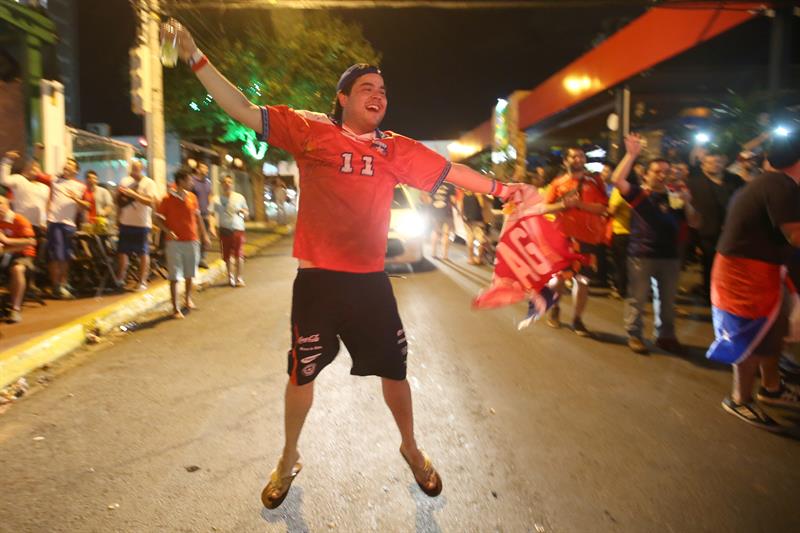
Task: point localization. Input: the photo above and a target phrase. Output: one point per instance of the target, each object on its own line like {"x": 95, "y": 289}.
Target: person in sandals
{"x": 348, "y": 171}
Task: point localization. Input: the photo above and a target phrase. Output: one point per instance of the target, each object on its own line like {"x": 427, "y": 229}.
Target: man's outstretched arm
{"x": 229, "y": 98}
{"x": 466, "y": 178}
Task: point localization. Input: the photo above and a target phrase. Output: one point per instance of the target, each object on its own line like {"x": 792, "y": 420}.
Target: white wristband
{"x": 196, "y": 56}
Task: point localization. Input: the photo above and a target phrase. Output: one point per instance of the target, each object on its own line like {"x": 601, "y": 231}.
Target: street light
{"x": 702, "y": 138}
{"x": 781, "y": 131}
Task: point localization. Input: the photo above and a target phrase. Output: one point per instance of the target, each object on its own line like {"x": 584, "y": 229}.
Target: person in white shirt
{"x": 230, "y": 210}
{"x": 30, "y": 196}
{"x": 66, "y": 194}
{"x": 136, "y": 197}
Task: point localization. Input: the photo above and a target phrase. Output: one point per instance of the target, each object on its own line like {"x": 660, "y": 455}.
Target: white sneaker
{"x": 64, "y": 294}
{"x": 141, "y": 287}
{"x": 15, "y": 316}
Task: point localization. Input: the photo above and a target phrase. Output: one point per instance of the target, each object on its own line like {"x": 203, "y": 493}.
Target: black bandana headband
{"x": 350, "y": 75}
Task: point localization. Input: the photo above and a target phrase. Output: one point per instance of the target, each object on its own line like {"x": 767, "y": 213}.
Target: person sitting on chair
{"x": 18, "y": 250}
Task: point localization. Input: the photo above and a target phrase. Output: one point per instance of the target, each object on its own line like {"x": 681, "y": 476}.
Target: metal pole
{"x": 777, "y": 51}
{"x": 622, "y": 104}
{"x": 154, "y": 120}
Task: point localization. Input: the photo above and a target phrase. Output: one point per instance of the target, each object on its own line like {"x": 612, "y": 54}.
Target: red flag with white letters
{"x": 532, "y": 249}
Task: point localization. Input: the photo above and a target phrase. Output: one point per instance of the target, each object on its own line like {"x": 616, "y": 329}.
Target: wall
{"x": 12, "y": 117}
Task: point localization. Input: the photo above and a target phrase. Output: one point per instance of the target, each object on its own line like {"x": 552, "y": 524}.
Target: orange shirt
{"x": 348, "y": 182}
{"x": 577, "y": 223}
{"x": 180, "y": 214}
{"x": 88, "y": 196}
{"x": 19, "y": 228}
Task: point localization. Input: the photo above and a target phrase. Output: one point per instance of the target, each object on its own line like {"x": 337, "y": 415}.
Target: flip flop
{"x": 279, "y": 484}
{"x": 429, "y": 472}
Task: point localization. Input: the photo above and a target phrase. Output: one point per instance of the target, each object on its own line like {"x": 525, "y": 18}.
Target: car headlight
{"x": 411, "y": 225}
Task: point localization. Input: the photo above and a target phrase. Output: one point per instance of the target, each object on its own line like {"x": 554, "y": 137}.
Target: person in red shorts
{"x": 348, "y": 171}
{"x": 579, "y": 199}
{"x": 17, "y": 251}
{"x": 230, "y": 211}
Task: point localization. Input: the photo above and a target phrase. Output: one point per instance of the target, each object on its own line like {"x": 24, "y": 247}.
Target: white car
{"x": 406, "y": 228}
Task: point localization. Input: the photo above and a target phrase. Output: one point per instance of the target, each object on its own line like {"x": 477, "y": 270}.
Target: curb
{"x": 19, "y": 360}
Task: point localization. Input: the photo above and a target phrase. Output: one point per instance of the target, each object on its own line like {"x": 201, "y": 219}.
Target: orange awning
{"x": 659, "y": 34}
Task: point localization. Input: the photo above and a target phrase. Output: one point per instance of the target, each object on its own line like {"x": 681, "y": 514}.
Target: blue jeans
{"x": 661, "y": 275}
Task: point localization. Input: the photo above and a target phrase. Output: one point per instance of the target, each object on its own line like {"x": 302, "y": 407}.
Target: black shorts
{"x": 359, "y": 309}
{"x": 440, "y": 217}
{"x": 585, "y": 248}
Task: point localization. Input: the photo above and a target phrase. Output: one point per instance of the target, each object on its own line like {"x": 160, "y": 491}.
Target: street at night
{"x": 437, "y": 266}
{"x": 176, "y": 426}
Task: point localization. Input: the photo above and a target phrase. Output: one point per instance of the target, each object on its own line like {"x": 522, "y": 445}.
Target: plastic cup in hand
{"x": 169, "y": 43}
{"x": 675, "y": 200}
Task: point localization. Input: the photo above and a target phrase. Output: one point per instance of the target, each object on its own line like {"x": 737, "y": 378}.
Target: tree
{"x": 742, "y": 117}
{"x": 294, "y": 61}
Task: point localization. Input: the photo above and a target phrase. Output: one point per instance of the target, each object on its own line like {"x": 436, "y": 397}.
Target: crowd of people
{"x": 643, "y": 222}
{"x": 41, "y": 215}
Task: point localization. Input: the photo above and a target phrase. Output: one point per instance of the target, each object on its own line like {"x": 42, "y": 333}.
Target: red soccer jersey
{"x": 18, "y": 227}
{"x": 180, "y": 214}
{"x": 88, "y": 196}
{"x": 582, "y": 225}
{"x": 346, "y": 185}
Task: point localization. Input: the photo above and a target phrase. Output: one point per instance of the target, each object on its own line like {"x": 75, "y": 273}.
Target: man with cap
{"x": 348, "y": 171}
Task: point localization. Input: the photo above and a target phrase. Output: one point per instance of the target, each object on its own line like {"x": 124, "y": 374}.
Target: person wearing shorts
{"x": 579, "y": 200}
{"x": 179, "y": 218}
{"x": 348, "y": 171}
{"x": 754, "y": 305}
{"x": 136, "y": 197}
{"x": 230, "y": 211}
{"x": 17, "y": 251}
{"x": 441, "y": 214}
{"x": 66, "y": 200}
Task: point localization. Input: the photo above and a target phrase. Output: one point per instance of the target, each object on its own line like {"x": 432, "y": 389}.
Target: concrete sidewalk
{"x": 51, "y": 331}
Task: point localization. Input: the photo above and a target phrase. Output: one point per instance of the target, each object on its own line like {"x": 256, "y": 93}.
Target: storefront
{"x": 27, "y": 55}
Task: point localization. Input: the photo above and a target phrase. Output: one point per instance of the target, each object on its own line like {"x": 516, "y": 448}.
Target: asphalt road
{"x": 175, "y": 428}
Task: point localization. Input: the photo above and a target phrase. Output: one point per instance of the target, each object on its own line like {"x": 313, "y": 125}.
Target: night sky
{"x": 444, "y": 69}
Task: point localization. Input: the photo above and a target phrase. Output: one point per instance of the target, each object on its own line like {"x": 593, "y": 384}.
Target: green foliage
{"x": 481, "y": 162}
{"x": 740, "y": 118}
{"x": 294, "y": 61}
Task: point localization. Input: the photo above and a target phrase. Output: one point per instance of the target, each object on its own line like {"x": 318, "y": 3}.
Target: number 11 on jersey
{"x": 347, "y": 164}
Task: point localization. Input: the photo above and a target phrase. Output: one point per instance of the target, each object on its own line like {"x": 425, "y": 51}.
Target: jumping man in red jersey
{"x": 348, "y": 171}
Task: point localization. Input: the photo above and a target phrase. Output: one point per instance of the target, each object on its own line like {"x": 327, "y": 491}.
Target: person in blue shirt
{"x": 653, "y": 247}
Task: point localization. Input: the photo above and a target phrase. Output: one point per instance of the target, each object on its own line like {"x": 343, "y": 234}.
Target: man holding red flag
{"x": 579, "y": 199}
{"x": 348, "y": 171}
{"x": 531, "y": 251}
